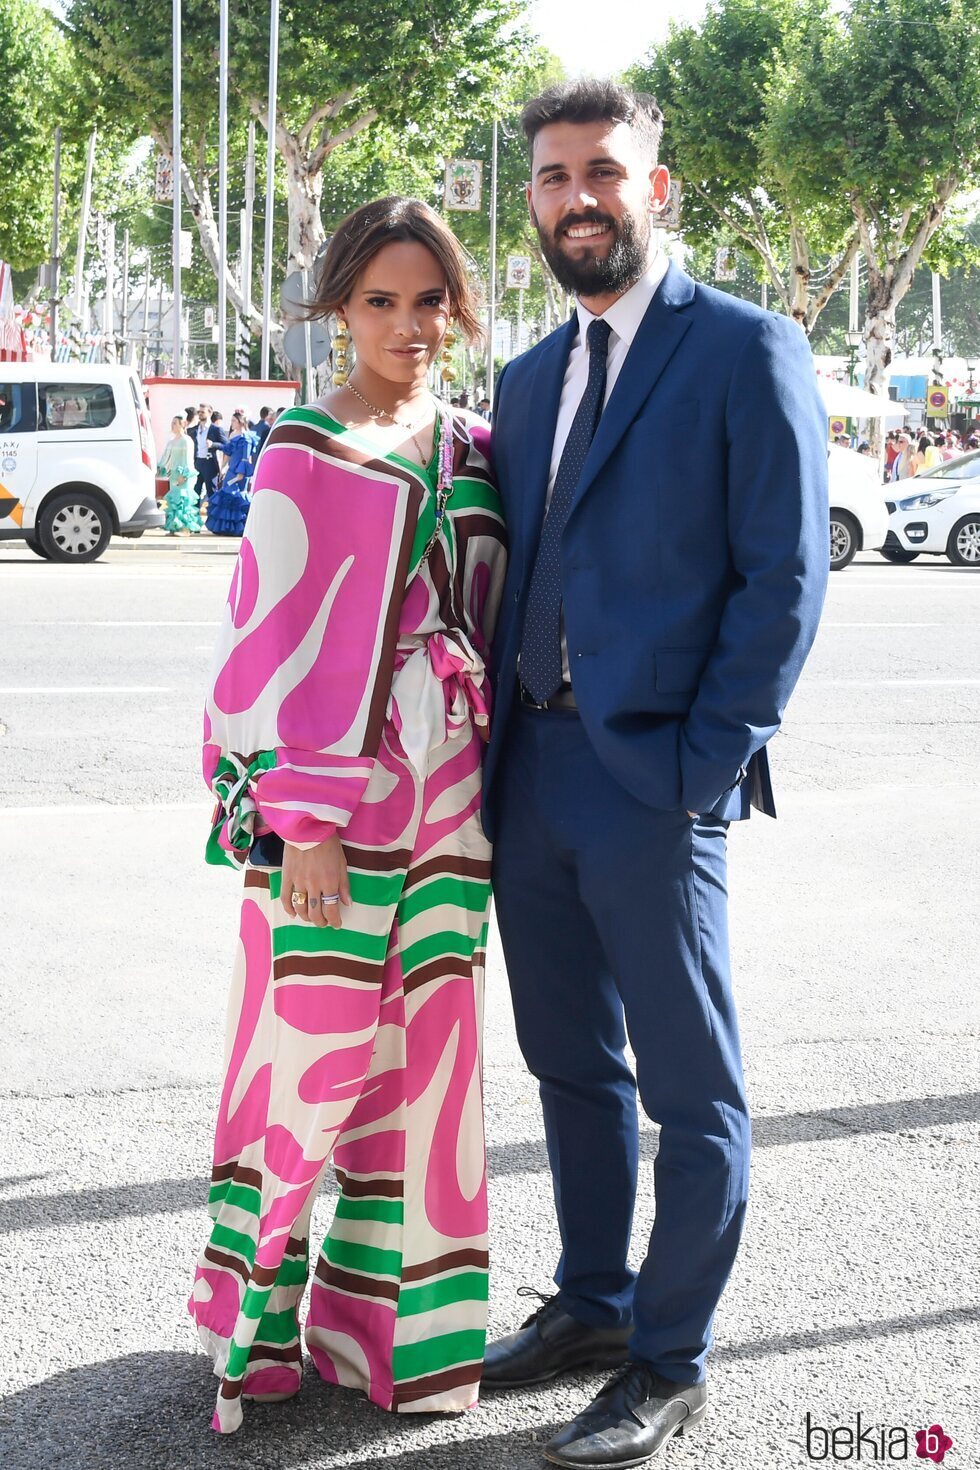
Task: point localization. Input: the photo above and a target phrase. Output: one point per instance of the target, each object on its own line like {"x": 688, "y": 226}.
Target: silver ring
{"x": 329, "y": 897}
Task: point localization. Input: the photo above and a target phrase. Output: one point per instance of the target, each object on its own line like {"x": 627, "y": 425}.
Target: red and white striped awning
{"x": 13, "y": 347}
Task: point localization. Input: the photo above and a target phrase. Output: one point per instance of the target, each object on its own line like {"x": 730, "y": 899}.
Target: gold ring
{"x": 299, "y": 897}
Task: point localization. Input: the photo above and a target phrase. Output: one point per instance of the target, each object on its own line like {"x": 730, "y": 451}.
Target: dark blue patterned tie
{"x": 540, "y": 666}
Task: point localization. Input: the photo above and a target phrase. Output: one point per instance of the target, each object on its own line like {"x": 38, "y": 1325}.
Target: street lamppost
{"x": 853, "y": 343}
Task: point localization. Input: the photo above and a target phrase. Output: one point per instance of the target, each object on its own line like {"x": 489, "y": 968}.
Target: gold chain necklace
{"x": 382, "y": 413}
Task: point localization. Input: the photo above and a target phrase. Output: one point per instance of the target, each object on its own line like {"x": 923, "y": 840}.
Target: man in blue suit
{"x": 662, "y": 459}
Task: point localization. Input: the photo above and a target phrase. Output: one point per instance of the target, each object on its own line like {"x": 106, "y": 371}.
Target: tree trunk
{"x": 890, "y": 271}
{"x": 304, "y": 190}
{"x": 799, "y": 279}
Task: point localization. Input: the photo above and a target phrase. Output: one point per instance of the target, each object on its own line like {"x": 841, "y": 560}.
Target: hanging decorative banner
{"x": 669, "y": 217}
{"x": 164, "y": 189}
{"x": 464, "y": 184}
{"x": 937, "y": 401}
{"x": 186, "y": 244}
{"x": 519, "y": 271}
{"x": 726, "y": 261}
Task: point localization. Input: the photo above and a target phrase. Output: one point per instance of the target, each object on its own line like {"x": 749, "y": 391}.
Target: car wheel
{"x": 844, "y": 537}
{"x": 963, "y": 546}
{"x": 898, "y": 555}
{"x": 74, "y": 527}
{"x": 34, "y": 544}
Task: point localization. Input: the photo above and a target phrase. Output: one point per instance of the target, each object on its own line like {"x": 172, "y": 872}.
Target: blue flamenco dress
{"x": 228, "y": 504}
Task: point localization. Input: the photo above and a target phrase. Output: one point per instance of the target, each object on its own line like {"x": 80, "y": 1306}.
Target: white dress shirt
{"x": 624, "y": 317}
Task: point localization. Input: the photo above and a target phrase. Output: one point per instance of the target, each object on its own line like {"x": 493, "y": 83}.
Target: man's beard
{"x": 614, "y": 273}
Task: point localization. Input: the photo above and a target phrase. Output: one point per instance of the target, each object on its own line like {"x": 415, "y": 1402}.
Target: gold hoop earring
{"x": 448, "y": 343}
{"x": 340, "y": 353}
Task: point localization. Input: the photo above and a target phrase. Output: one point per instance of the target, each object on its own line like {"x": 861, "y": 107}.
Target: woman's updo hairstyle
{"x": 367, "y": 230}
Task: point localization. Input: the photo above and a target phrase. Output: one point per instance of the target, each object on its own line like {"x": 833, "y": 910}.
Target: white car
{"x": 77, "y": 462}
{"x": 858, "y": 518}
{"x": 937, "y": 512}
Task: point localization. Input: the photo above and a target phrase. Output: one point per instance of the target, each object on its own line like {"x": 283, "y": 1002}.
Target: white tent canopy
{"x": 843, "y": 401}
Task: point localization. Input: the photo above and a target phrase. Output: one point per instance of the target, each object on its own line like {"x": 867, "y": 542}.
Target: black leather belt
{"x": 563, "y": 698}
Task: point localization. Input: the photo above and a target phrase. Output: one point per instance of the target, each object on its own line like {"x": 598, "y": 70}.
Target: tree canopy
{"x": 713, "y": 82}
{"x": 35, "y": 65}
{"x": 880, "y": 106}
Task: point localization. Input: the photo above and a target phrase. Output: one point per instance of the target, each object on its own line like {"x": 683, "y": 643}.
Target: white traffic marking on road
{"x": 950, "y": 584}
{"x": 103, "y": 807}
{"x": 136, "y": 623}
{"x": 893, "y": 683}
{"x": 78, "y": 574}
{"x": 88, "y": 689}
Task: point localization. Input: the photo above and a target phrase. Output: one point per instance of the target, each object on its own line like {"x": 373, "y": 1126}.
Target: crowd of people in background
{"x": 481, "y": 407}
{"x": 209, "y": 469}
{"x": 909, "y": 451}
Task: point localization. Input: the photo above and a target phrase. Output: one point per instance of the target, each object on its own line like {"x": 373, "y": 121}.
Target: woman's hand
{"x": 313, "y": 872}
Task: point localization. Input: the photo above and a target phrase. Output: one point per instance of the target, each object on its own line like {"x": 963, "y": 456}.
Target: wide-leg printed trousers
{"x": 361, "y": 1045}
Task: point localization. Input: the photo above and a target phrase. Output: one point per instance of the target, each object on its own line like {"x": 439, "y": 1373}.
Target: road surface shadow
{"x": 170, "y": 1196}
{"x": 152, "y": 1411}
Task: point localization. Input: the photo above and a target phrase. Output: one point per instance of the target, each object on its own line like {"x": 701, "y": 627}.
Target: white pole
{"x": 937, "y": 315}
{"x": 223, "y": 192}
{"x": 54, "y": 299}
{"x": 307, "y": 342}
{"x": 248, "y": 217}
{"x": 520, "y": 321}
{"x": 109, "y": 304}
{"x": 853, "y": 323}
{"x": 78, "y": 304}
{"x": 270, "y": 185}
{"x": 492, "y": 300}
{"x": 178, "y": 306}
{"x": 124, "y": 313}
{"x": 145, "y": 333}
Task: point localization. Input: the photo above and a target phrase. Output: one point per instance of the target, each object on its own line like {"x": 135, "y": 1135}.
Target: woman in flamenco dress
{"x": 180, "y": 507}
{"x": 229, "y": 503}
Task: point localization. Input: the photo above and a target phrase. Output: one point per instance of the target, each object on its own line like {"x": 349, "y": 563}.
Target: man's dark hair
{"x": 593, "y": 99}
{"x": 264, "y": 413}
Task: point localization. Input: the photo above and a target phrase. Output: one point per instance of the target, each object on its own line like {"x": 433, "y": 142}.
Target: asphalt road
{"x": 855, "y": 923}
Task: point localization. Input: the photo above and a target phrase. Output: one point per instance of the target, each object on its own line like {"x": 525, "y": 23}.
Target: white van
{"x": 76, "y": 458}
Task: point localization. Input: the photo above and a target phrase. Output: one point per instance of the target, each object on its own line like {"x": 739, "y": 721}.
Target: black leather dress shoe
{"x": 628, "y": 1421}
{"x": 551, "y": 1342}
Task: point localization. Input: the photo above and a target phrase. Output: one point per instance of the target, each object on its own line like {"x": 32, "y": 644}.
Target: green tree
{"x": 713, "y": 83}
{"x": 35, "y": 65}
{"x": 412, "y": 76}
{"x": 880, "y": 105}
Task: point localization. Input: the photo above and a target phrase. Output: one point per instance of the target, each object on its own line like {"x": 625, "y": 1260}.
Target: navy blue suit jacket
{"x": 696, "y": 552}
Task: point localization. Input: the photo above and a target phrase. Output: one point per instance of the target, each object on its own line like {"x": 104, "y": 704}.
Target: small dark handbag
{"x": 266, "y": 851}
